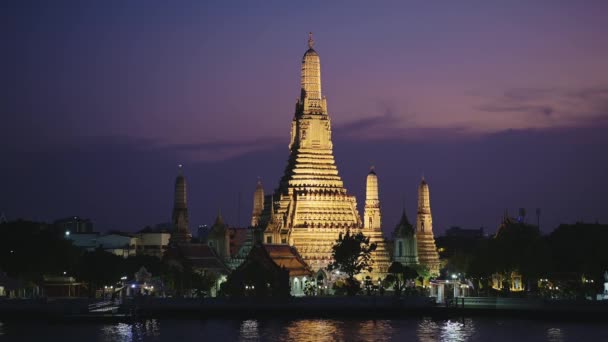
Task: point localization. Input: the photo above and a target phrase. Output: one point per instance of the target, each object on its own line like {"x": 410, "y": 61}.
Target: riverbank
{"x": 319, "y": 307}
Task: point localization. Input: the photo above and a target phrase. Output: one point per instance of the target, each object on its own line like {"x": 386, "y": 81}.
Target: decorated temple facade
{"x": 405, "y": 244}
{"x": 311, "y": 206}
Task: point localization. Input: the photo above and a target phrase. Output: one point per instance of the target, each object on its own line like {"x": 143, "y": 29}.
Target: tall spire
{"x": 258, "y": 203}
{"x": 311, "y": 98}
{"x": 427, "y": 250}
{"x": 424, "y": 200}
{"x": 180, "y": 190}
{"x": 311, "y": 42}
{"x": 181, "y": 231}
{"x": 371, "y": 216}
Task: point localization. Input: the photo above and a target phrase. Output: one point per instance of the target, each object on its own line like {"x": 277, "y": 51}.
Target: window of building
{"x": 400, "y": 248}
{"x": 283, "y": 240}
{"x": 269, "y": 239}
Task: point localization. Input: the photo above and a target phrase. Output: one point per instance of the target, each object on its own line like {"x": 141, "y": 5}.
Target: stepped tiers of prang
{"x": 427, "y": 251}
{"x": 311, "y": 207}
{"x": 181, "y": 231}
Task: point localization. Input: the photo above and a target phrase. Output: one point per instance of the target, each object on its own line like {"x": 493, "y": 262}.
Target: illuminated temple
{"x": 311, "y": 206}
{"x": 427, "y": 251}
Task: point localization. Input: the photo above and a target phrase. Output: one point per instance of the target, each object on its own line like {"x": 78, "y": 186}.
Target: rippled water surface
{"x": 410, "y": 329}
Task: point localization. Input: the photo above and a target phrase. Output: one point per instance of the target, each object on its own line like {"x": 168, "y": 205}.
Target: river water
{"x": 406, "y": 329}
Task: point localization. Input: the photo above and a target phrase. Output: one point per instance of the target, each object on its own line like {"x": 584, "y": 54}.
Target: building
{"x": 427, "y": 250}
{"x": 117, "y": 243}
{"x": 231, "y": 244}
{"x": 311, "y": 206}
{"x": 63, "y": 287}
{"x": 181, "y": 230}
{"x": 259, "y": 275}
{"x": 153, "y": 243}
{"x": 120, "y": 244}
{"x": 201, "y": 259}
{"x": 146, "y": 242}
{"x": 86, "y": 241}
{"x": 405, "y": 244}
{"x": 219, "y": 238}
{"x": 74, "y": 224}
{"x": 511, "y": 280}
{"x": 288, "y": 258}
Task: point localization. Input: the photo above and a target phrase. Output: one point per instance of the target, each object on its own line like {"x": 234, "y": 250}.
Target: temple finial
{"x": 179, "y": 169}
{"x": 311, "y": 42}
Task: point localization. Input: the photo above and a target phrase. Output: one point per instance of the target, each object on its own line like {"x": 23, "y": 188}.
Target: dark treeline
{"x": 31, "y": 250}
{"x": 567, "y": 257}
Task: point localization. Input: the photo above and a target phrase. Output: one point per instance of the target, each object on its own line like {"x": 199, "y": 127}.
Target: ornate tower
{"x": 181, "y": 232}
{"x": 219, "y": 238}
{"x": 427, "y": 251}
{"x": 311, "y": 207}
{"x": 405, "y": 249}
{"x": 258, "y": 204}
{"x": 371, "y": 215}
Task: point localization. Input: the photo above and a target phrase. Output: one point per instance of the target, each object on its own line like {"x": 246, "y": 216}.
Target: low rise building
{"x": 152, "y": 243}
{"x": 120, "y": 244}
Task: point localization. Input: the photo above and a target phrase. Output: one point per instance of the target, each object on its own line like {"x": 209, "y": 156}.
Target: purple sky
{"x": 498, "y": 105}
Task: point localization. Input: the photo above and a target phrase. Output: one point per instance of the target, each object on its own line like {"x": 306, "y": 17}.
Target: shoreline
{"x": 75, "y": 310}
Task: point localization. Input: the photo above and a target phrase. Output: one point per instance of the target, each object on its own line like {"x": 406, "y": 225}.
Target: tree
{"x": 396, "y": 270}
{"x": 99, "y": 268}
{"x": 352, "y": 254}
{"x": 309, "y": 288}
{"x": 409, "y": 273}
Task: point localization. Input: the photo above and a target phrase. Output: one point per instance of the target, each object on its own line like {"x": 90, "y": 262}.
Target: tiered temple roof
{"x": 311, "y": 206}
{"x": 427, "y": 250}
{"x": 181, "y": 231}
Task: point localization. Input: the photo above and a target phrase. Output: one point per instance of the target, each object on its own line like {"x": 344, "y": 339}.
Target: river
{"x": 406, "y": 329}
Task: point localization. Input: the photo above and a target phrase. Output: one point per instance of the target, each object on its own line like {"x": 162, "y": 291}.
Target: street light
{"x": 454, "y": 276}
{"x": 67, "y": 233}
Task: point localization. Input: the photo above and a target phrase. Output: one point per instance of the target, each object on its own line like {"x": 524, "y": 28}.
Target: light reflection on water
{"x": 130, "y": 332}
{"x": 249, "y": 330}
{"x": 555, "y": 335}
{"x": 311, "y": 330}
{"x": 410, "y": 329}
{"x": 380, "y": 330}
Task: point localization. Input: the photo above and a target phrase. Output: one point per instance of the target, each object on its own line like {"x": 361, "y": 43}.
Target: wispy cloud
{"x": 551, "y": 107}
{"x": 224, "y": 149}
